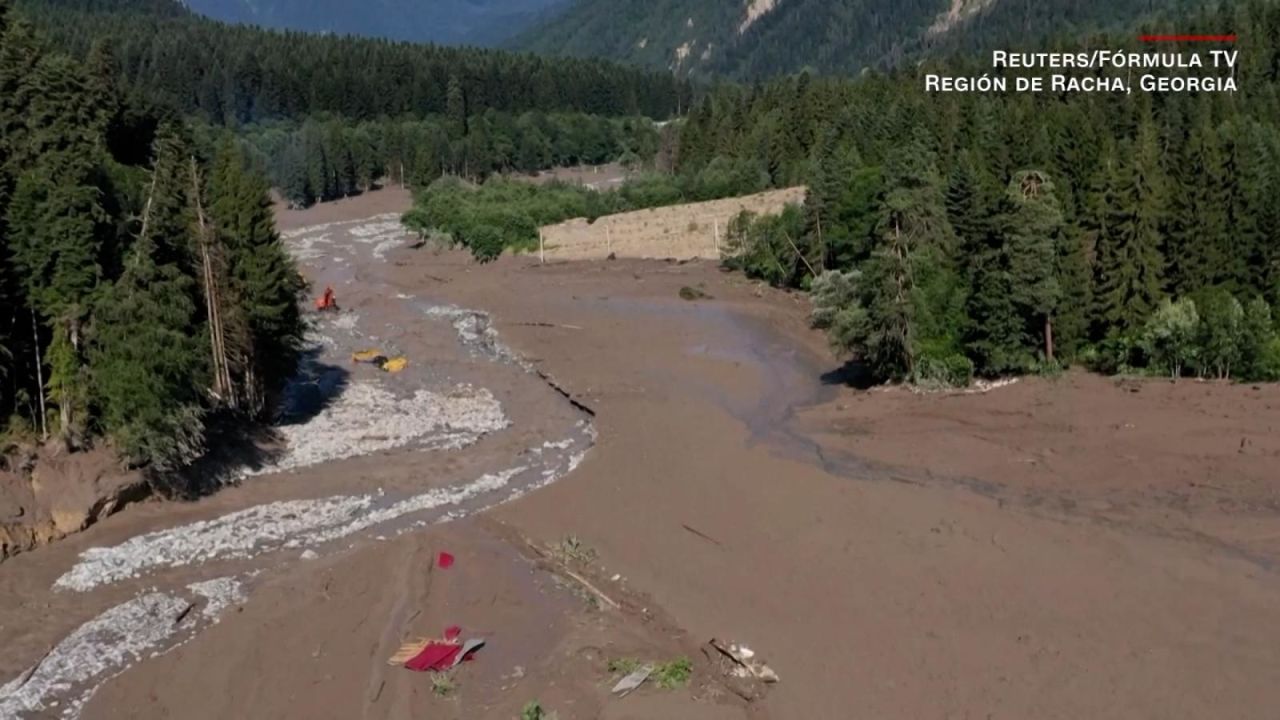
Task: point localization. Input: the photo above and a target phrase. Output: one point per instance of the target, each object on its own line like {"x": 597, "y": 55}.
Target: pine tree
{"x": 319, "y": 168}
{"x": 995, "y": 334}
{"x": 970, "y": 205}
{"x": 104, "y": 93}
{"x": 1129, "y": 264}
{"x": 296, "y": 181}
{"x": 991, "y": 327}
{"x": 341, "y": 164}
{"x": 1198, "y": 247}
{"x": 7, "y": 292}
{"x": 148, "y": 365}
{"x": 830, "y": 229}
{"x": 19, "y": 56}
{"x": 56, "y": 227}
{"x": 910, "y": 288}
{"x": 1030, "y": 226}
{"x": 456, "y": 107}
{"x": 227, "y": 336}
{"x": 143, "y": 355}
{"x": 1071, "y": 321}
{"x": 264, "y": 283}
{"x": 1253, "y": 215}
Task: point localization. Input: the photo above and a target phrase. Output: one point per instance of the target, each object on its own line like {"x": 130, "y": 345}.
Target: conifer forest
{"x": 144, "y": 287}
{"x": 962, "y": 234}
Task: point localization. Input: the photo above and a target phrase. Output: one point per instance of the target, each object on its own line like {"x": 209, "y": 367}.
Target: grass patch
{"x": 669, "y": 675}
{"x": 673, "y": 674}
{"x": 693, "y": 293}
{"x": 443, "y": 684}
{"x": 533, "y": 711}
{"x": 573, "y": 549}
{"x": 624, "y": 666}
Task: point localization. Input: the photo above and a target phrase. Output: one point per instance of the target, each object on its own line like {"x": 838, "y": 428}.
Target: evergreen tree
{"x": 971, "y": 204}
{"x": 56, "y": 227}
{"x": 148, "y": 358}
{"x": 910, "y": 290}
{"x": 99, "y": 260}
{"x": 319, "y": 168}
{"x": 834, "y": 167}
{"x": 456, "y": 107}
{"x": 1031, "y": 226}
{"x": 264, "y": 284}
{"x": 1129, "y": 263}
{"x": 991, "y": 319}
{"x": 1254, "y": 214}
{"x": 103, "y": 87}
{"x": 295, "y": 179}
{"x": 1071, "y": 320}
{"x": 1198, "y": 248}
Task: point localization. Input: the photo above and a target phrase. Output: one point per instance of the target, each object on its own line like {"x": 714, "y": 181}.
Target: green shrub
{"x": 1170, "y": 337}
{"x": 674, "y": 674}
{"x": 533, "y": 711}
{"x": 1115, "y": 355}
{"x": 945, "y": 371}
{"x": 1266, "y": 367}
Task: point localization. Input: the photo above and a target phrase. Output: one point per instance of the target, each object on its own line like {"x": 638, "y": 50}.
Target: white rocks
{"x": 383, "y": 232}
{"x": 345, "y": 321}
{"x": 368, "y": 418}
{"x": 145, "y": 627}
{"x": 383, "y": 235}
{"x": 264, "y": 528}
{"x": 219, "y": 594}
{"x": 106, "y": 644}
{"x": 240, "y": 534}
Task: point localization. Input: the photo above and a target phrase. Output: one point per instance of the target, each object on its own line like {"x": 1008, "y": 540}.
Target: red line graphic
{"x": 1188, "y": 38}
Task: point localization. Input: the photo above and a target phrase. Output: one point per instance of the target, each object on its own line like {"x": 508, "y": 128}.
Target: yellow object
{"x": 366, "y": 355}
{"x": 395, "y": 364}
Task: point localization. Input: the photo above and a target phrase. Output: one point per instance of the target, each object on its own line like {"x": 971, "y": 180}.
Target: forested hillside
{"x": 451, "y": 22}
{"x": 325, "y": 159}
{"x": 326, "y": 116}
{"x": 1009, "y": 233}
{"x": 752, "y": 39}
{"x": 144, "y": 290}
{"x": 233, "y": 75}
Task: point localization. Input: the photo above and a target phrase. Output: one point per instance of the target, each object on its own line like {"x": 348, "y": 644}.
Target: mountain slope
{"x": 748, "y": 39}
{"x": 235, "y": 74}
{"x": 472, "y": 22}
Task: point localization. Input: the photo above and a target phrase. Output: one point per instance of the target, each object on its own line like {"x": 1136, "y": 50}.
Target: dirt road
{"x": 1053, "y": 549}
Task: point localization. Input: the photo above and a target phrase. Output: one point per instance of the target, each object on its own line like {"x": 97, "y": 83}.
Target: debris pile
{"x": 740, "y": 663}
{"x": 436, "y": 654}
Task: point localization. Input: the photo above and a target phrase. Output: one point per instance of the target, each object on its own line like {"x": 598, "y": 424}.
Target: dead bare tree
{"x": 223, "y": 389}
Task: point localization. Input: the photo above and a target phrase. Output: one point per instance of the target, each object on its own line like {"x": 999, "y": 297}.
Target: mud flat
{"x": 1051, "y": 549}
{"x": 1068, "y": 548}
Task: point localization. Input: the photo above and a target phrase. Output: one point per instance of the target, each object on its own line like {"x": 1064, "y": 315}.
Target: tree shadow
{"x": 237, "y": 445}
{"x": 316, "y": 386}
{"x": 854, "y": 374}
